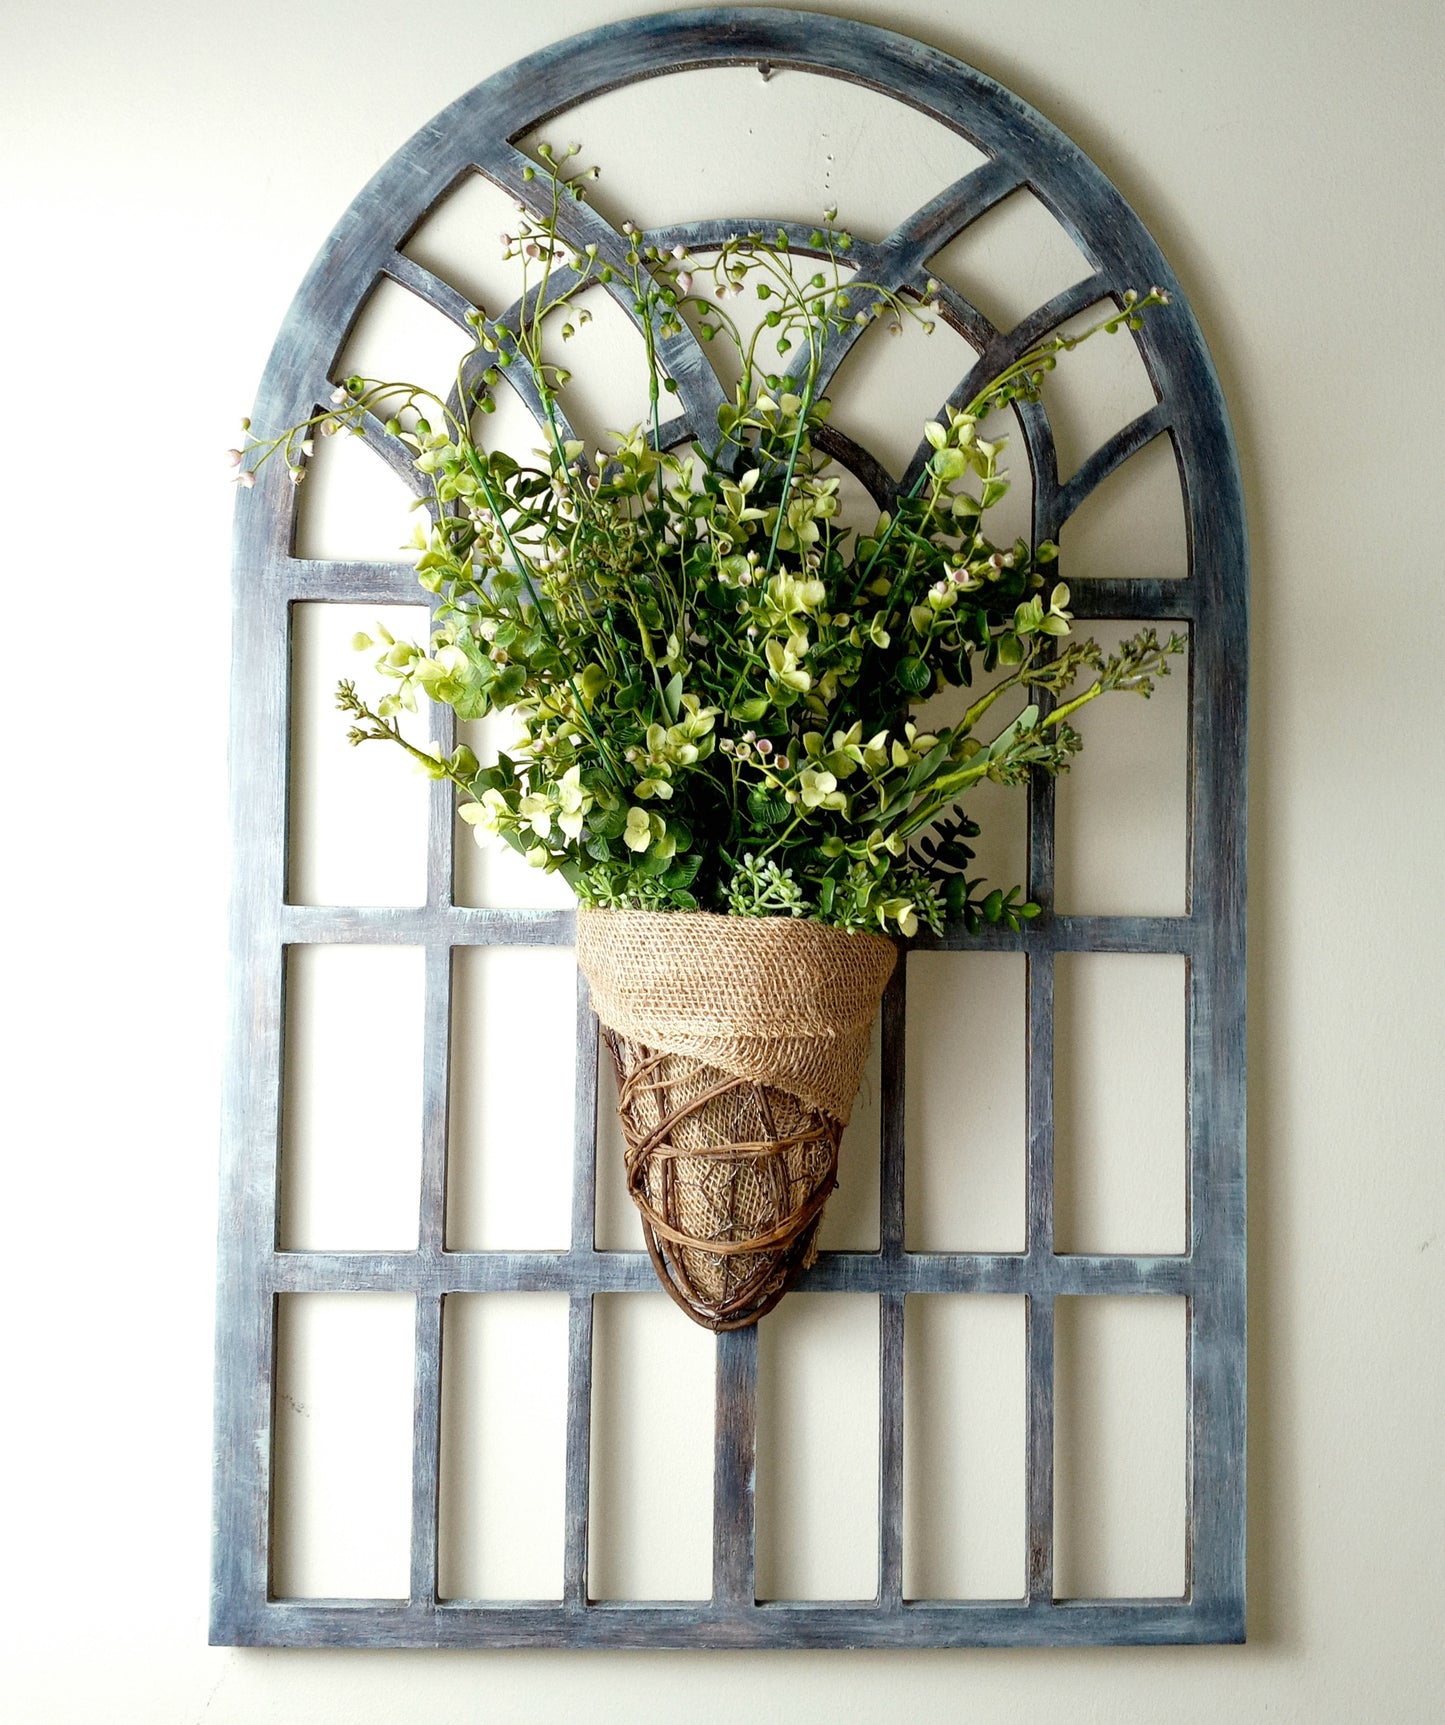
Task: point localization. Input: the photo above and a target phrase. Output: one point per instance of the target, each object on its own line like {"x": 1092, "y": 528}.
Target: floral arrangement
{"x": 715, "y": 684}
{"x": 713, "y": 680}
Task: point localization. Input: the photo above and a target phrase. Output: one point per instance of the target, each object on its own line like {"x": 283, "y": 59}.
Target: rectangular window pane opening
{"x": 964, "y": 1447}
{"x": 357, "y": 822}
{"x": 652, "y": 1463}
{"x": 1122, "y": 823}
{"x": 503, "y": 1446}
{"x": 1120, "y": 1447}
{"x": 967, "y": 1131}
{"x": 341, "y": 1473}
{"x": 1120, "y": 1154}
{"x": 351, "y": 1123}
{"x": 513, "y": 1083}
{"x": 817, "y": 1448}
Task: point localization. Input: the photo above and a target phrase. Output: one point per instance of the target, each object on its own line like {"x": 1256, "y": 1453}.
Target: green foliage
{"x": 712, "y": 678}
{"x": 761, "y": 888}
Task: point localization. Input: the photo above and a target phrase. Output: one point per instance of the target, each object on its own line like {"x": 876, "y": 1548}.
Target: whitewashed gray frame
{"x": 1021, "y": 149}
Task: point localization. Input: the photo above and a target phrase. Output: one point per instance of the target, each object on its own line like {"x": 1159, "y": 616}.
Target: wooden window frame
{"x": 1021, "y": 149}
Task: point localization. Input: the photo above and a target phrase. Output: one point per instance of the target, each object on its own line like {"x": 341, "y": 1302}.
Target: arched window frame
{"x": 1022, "y": 149}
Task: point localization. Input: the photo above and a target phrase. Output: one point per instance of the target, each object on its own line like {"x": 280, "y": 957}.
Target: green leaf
{"x": 913, "y": 675}
{"x": 921, "y": 772}
{"x": 1010, "y": 734}
{"x": 629, "y": 697}
{"x": 768, "y": 809}
{"x": 683, "y": 872}
{"x": 749, "y": 712}
{"x": 474, "y": 702}
{"x": 672, "y": 696}
{"x": 608, "y": 823}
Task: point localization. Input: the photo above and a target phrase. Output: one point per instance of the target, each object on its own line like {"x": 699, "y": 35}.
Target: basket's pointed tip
{"x": 730, "y": 1178}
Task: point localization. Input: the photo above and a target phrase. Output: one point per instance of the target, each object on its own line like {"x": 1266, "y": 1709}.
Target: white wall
{"x": 172, "y": 169}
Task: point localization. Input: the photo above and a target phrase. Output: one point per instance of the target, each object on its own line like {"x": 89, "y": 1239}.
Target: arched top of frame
{"x": 477, "y": 132}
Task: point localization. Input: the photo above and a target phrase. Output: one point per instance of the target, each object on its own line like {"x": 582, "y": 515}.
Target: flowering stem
{"x": 484, "y": 481}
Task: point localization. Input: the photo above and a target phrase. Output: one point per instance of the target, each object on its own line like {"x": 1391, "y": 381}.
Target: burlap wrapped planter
{"x": 738, "y": 1044}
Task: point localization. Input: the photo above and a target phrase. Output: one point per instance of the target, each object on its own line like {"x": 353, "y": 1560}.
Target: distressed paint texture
{"x": 1021, "y": 148}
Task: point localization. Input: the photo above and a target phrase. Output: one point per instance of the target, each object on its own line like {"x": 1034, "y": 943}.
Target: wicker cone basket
{"x": 738, "y": 1044}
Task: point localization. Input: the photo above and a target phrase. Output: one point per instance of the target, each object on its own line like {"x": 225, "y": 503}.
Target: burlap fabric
{"x": 738, "y": 1044}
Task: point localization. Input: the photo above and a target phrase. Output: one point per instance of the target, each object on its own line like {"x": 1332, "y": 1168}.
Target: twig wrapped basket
{"x": 738, "y": 1044}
